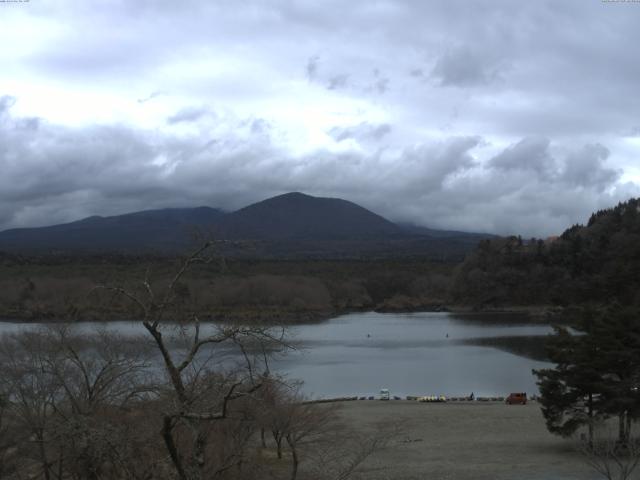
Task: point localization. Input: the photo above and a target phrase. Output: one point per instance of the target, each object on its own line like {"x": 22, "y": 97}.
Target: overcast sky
{"x": 498, "y": 116}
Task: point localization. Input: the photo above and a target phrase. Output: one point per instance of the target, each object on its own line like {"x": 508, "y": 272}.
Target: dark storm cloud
{"x": 586, "y": 168}
{"x": 54, "y": 174}
{"x": 461, "y": 67}
{"x": 530, "y": 153}
{"x": 501, "y": 116}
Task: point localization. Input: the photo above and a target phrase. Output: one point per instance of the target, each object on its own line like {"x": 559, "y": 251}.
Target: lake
{"x": 408, "y": 353}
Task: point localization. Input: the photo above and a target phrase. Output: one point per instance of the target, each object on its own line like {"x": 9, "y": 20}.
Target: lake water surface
{"x": 410, "y": 354}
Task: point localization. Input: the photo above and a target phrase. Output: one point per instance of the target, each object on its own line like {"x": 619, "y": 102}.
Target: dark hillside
{"x": 299, "y": 216}
{"x": 599, "y": 262}
{"x": 159, "y": 230}
{"x": 293, "y": 225}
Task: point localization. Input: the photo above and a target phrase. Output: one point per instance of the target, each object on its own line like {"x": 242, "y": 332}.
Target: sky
{"x": 501, "y": 116}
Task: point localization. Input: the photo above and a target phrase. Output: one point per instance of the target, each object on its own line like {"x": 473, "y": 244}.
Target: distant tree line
{"x": 239, "y": 290}
{"x": 596, "y": 263}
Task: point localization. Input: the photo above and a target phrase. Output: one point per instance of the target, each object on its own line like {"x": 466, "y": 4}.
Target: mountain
{"x": 156, "y": 230}
{"x": 299, "y": 216}
{"x": 289, "y": 225}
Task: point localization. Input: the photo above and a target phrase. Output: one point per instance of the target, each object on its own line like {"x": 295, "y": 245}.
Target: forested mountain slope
{"x": 594, "y": 263}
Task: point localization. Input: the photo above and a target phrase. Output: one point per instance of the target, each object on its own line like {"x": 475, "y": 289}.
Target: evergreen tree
{"x": 596, "y": 375}
{"x": 571, "y": 393}
{"x": 617, "y": 331}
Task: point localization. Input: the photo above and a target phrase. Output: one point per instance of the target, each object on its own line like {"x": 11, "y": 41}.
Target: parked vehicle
{"x": 517, "y": 398}
{"x": 384, "y": 394}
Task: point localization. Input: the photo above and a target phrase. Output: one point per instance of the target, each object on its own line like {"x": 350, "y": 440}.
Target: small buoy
{"x": 447, "y": 335}
{"x": 368, "y": 335}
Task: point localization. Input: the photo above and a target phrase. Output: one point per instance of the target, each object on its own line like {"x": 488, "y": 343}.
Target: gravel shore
{"x": 465, "y": 441}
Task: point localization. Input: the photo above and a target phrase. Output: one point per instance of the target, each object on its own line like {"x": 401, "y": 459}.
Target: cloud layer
{"x": 498, "y": 116}
{"x": 55, "y": 174}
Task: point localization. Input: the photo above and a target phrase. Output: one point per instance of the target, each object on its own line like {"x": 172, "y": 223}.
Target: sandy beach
{"x": 467, "y": 440}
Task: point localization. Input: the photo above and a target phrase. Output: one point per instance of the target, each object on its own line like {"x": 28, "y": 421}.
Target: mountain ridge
{"x": 293, "y": 223}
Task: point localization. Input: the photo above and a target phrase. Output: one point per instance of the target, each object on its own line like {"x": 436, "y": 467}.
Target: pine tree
{"x": 617, "y": 331}
{"x": 597, "y": 373}
{"x": 571, "y": 393}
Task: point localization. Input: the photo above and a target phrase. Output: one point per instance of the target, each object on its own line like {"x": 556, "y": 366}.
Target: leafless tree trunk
{"x": 295, "y": 461}
{"x": 262, "y": 439}
{"x": 277, "y": 437}
{"x": 5, "y": 444}
{"x": 192, "y": 380}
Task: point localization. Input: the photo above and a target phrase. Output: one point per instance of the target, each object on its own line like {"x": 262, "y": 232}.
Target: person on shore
{"x": 471, "y": 397}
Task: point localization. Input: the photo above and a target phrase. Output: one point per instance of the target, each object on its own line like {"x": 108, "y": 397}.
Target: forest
{"x": 264, "y": 291}
{"x": 596, "y": 263}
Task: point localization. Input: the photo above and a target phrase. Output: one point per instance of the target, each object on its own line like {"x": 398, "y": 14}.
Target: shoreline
{"x": 535, "y": 313}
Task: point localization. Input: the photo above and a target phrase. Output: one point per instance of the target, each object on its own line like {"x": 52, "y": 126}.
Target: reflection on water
{"x": 412, "y": 353}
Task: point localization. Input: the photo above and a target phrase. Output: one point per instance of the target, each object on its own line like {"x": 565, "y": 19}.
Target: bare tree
{"x": 97, "y": 369}
{"x": 67, "y": 394}
{"x": 33, "y": 396}
{"x": 6, "y": 442}
{"x": 198, "y": 395}
{"x": 340, "y": 452}
{"x": 101, "y": 376}
{"x": 305, "y": 424}
{"x": 320, "y": 446}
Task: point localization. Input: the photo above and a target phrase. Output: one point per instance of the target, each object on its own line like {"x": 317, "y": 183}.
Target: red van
{"x": 517, "y": 398}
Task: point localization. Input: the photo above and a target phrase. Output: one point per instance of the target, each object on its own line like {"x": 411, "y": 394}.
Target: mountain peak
{"x": 288, "y": 197}
{"x": 297, "y": 215}
{"x": 292, "y": 195}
